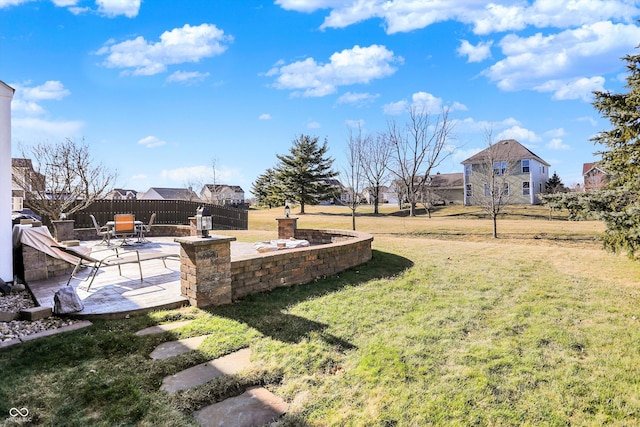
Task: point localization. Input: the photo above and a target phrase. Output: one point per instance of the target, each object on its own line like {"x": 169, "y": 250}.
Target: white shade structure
{"x": 6, "y": 246}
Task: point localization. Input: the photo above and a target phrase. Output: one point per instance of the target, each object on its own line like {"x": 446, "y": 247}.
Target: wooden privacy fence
{"x": 167, "y": 212}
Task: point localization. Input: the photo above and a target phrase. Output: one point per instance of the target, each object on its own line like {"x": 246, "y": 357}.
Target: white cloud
{"x": 358, "y": 65}
{"x": 537, "y": 61}
{"x": 592, "y": 121}
{"x": 485, "y": 17}
{"x": 151, "y": 142}
{"x": 518, "y": 133}
{"x": 557, "y": 144}
{"x": 422, "y": 102}
{"x": 202, "y": 173}
{"x": 187, "y": 77}
{"x": 30, "y": 118}
{"x": 111, "y": 8}
{"x": 265, "y": 116}
{"x": 50, "y": 90}
{"x": 396, "y": 108}
{"x": 9, "y": 3}
{"x": 313, "y": 125}
{"x": 457, "y": 106}
{"x": 477, "y": 53}
{"x": 581, "y": 88}
{"x": 188, "y": 44}
{"x": 555, "y": 133}
{"x": 64, "y": 3}
{"x": 32, "y": 129}
{"x": 357, "y": 98}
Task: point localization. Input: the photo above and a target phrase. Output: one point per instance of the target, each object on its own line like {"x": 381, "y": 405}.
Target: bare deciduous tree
{"x": 65, "y": 180}
{"x": 353, "y": 173}
{"x": 418, "y": 148}
{"x": 492, "y": 176}
{"x": 376, "y": 157}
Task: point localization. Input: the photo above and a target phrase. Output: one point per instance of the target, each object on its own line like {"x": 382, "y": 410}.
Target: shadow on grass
{"x": 265, "y": 312}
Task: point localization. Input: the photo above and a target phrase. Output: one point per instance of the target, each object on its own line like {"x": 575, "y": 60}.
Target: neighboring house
{"x": 121, "y": 194}
{"x": 220, "y": 194}
{"x": 23, "y": 174}
{"x": 157, "y": 193}
{"x": 595, "y": 178}
{"x": 446, "y": 188}
{"x": 340, "y": 191}
{"x": 524, "y": 173}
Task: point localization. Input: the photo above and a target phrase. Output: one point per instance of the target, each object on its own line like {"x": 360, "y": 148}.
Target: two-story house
{"x": 121, "y": 194}
{"x": 595, "y": 177}
{"x": 522, "y": 173}
{"x": 24, "y": 179}
{"x": 221, "y": 194}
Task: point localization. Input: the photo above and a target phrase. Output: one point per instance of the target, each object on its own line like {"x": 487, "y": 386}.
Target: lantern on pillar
{"x": 204, "y": 222}
{"x": 287, "y": 210}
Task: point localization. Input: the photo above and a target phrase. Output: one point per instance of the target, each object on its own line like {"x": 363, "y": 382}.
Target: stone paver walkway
{"x": 227, "y": 365}
{"x": 176, "y": 348}
{"x": 158, "y": 329}
{"x": 257, "y": 406}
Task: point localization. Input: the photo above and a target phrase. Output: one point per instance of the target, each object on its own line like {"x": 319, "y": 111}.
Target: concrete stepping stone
{"x": 227, "y": 365}
{"x": 176, "y": 348}
{"x": 255, "y": 407}
{"x": 158, "y": 329}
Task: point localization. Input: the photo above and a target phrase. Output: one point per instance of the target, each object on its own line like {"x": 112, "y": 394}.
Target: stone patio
{"x": 115, "y": 296}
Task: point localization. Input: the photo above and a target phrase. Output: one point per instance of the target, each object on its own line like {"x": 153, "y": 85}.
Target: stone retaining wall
{"x": 332, "y": 251}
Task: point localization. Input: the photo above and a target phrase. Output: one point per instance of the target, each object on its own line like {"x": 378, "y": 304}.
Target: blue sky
{"x": 163, "y": 90}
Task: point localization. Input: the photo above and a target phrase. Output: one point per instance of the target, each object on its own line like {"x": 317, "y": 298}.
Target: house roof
{"x": 21, "y": 163}
{"x": 218, "y": 187}
{"x": 8, "y": 90}
{"x": 175, "y": 193}
{"x": 588, "y": 167}
{"x": 124, "y": 191}
{"x": 447, "y": 180}
{"x": 507, "y": 148}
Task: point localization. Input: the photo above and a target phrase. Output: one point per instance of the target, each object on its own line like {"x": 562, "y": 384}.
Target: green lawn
{"x": 445, "y": 326}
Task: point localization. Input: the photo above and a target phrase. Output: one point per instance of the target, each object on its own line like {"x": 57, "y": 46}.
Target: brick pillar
{"x": 205, "y": 269}
{"x": 63, "y": 230}
{"x": 287, "y": 227}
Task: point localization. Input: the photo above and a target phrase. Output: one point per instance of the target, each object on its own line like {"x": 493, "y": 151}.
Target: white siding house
{"x": 525, "y": 173}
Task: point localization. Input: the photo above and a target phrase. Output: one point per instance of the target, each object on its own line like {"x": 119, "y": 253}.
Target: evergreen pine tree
{"x": 620, "y": 206}
{"x": 303, "y": 173}
{"x": 554, "y": 185}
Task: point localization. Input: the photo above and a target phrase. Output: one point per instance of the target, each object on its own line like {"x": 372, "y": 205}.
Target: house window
{"x": 502, "y": 189}
{"x": 499, "y": 168}
{"x": 505, "y": 189}
{"x": 525, "y": 165}
{"x": 526, "y": 190}
{"x": 467, "y": 170}
{"x": 487, "y": 190}
{"x": 468, "y": 190}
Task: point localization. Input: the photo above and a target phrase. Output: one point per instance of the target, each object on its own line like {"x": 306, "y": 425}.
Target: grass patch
{"x": 435, "y": 330}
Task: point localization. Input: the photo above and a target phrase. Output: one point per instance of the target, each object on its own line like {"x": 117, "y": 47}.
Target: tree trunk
{"x": 301, "y": 207}
{"x": 376, "y": 198}
{"x": 353, "y": 219}
{"x": 495, "y": 226}
{"x": 412, "y": 209}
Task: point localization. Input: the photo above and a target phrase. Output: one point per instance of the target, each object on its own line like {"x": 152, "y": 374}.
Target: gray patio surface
{"x": 115, "y": 296}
